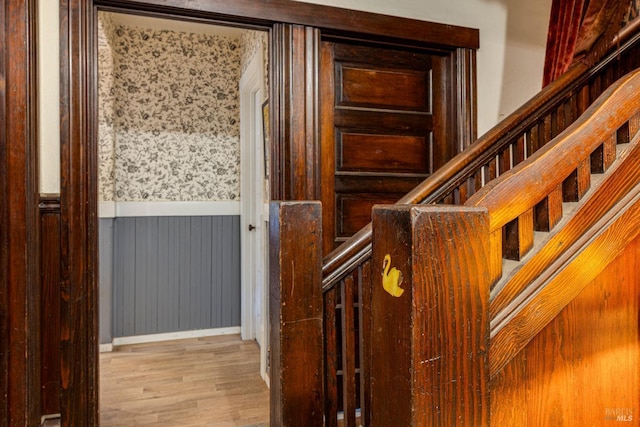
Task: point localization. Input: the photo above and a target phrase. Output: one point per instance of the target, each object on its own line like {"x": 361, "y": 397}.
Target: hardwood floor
{"x": 212, "y": 381}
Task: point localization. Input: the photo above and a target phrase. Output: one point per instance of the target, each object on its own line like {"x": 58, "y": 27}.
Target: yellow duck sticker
{"x": 391, "y": 280}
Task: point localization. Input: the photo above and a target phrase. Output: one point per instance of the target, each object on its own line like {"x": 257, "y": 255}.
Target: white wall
{"x": 510, "y": 58}
{"x": 49, "y": 95}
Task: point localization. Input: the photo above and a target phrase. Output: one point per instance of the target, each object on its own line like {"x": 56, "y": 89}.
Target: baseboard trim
{"x": 105, "y": 348}
{"x": 170, "y": 336}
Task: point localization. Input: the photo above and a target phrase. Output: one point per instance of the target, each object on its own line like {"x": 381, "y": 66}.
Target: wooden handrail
{"x": 339, "y": 262}
{"x": 548, "y": 167}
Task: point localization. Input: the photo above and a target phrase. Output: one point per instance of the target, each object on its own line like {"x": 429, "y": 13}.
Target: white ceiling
{"x": 175, "y": 25}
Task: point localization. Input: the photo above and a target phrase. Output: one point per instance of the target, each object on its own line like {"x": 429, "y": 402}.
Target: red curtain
{"x": 580, "y": 30}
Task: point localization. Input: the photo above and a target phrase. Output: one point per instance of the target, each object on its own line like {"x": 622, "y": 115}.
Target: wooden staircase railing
{"x": 431, "y": 341}
{"x": 347, "y": 271}
{"x": 432, "y": 338}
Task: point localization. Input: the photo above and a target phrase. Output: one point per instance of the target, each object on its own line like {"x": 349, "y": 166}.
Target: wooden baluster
{"x": 561, "y": 119}
{"x": 463, "y": 193}
{"x": 545, "y": 131}
{"x": 533, "y": 139}
{"x": 504, "y": 160}
{"x": 571, "y": 112}
{"x": 348, "y": 353}
{"x": 577, "y": 184}
{"x": 518, "y": 236}
{"x": 449, "y": 199}
{"x": 493, "y": 171}
{"x": 622, "y": 135}
{"x": 604, "y": 155}
{"x": 331, "y": 359}
{"x": 548, "y": 212}
{"x": 518, "y": 150}
{"x": 296, "y": 313}
{"x": 583, "y": 100}
{"x": 595, "y": 88}
{"x": 477, "y": 180}
{"x": 430, "y": 364}
{"x": 364, "y": 283}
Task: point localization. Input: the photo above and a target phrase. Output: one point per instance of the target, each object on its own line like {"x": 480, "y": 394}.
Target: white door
{"x": 254, "y": 209}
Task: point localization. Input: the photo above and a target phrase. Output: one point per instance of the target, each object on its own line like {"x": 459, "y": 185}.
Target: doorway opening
{"x": 182, "y": 187}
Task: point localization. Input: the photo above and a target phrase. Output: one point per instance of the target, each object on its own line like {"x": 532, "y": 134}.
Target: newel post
{"x": 296, "y": 313}
{"x": 430, "y": 334}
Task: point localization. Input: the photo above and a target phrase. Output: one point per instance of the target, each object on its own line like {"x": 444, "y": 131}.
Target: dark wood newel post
{"x": 296, "y": 313}
{"x": 429, "y": 365}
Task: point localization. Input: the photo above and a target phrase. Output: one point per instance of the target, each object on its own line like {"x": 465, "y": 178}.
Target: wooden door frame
{"x": 295, "y": 31}
{"x": 19, "y": 226}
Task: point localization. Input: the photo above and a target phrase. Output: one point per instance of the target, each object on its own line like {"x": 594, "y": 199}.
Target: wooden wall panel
{"x": 176, "y": 274}
{"x": 393, "y": 89}
{"x": 50, "y": 304}
{"x": 584, "y": 367}
{"x": 382, "y": 153}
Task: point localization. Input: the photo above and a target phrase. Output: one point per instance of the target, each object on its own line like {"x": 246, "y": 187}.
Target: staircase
{"x": 550, "y": 190}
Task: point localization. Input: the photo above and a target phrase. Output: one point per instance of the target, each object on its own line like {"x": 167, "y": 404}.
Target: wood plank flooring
{"x": 211, "y": 381}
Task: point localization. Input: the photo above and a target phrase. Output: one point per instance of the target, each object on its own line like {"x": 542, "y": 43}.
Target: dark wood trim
{"x": 50, "y": 303}
{"x": 330, "y": 20}
{"x": 78, "y": 203}
{"x": 19, "y": 238}
{"x": 295, "y": 109}
{"x": 466, "y": 101}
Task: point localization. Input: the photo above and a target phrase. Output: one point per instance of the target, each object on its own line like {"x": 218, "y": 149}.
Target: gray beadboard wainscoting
{"x": 174, "y": 273}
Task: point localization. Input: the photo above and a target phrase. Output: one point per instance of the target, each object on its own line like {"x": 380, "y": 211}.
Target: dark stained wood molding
{"x": 78, "y": 202}
{"x": 50, "y": 303}
{"x": 294, "y": 112}
{"x": 19, "y": 235}
{"x": 330, "y": 20}
{"x": 466, "y": 102}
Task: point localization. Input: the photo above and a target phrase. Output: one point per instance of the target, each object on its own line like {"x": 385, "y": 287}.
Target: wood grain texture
{"x": 548, "y": 213}
{"x": 583, "y": 366}
{"x": 568, "y": 152}
{"x": 620, "y": 179}
{"x": 78, "y": 206}
{"x": 296, "y": 314}
{"x": 431, "y": 342}
{"x": 191, "y": 382}
{"x": 50, "y": 303}
{"x": 19, "y": 217}
{"x": 378, "y": 136}
{"x": 529, "y": 314}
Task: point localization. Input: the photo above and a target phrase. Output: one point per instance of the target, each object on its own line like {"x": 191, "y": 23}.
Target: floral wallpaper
{"x": 250, "y": 42}
{"x": 175, "y": 116}
{"x": 106, "y": 90}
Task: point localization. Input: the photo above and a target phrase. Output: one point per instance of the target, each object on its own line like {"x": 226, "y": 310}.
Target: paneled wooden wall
{"x": 583, "y": 369}
{"x": 50, "y": 303}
